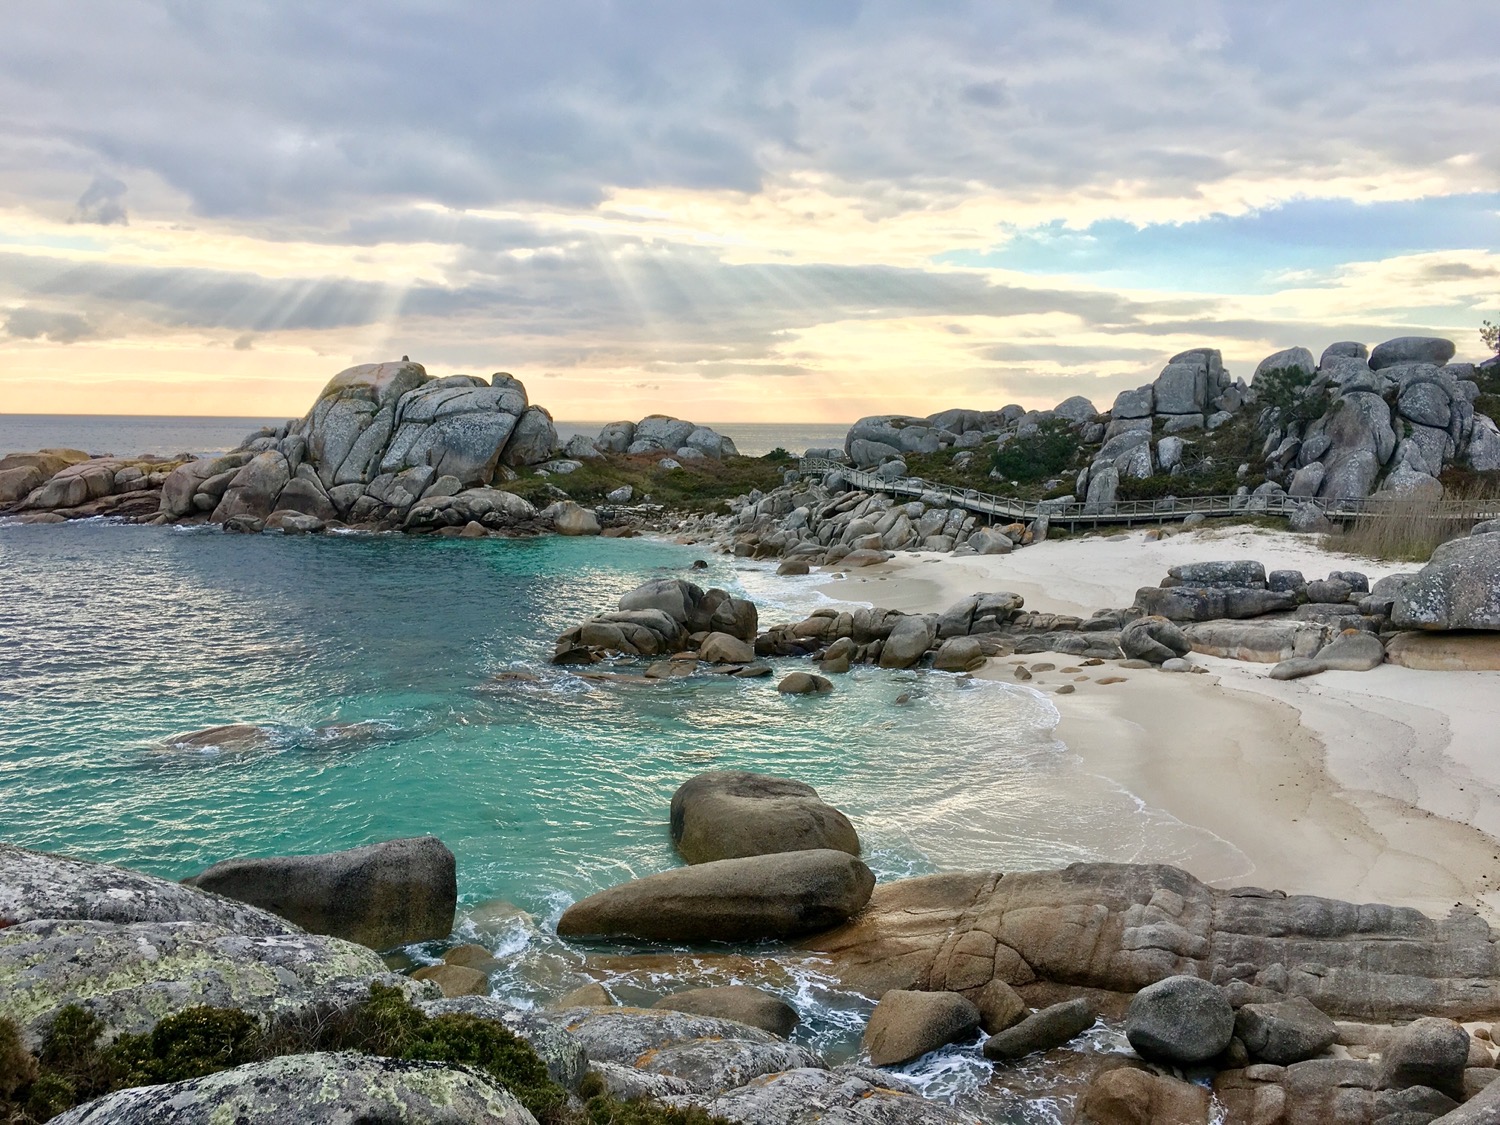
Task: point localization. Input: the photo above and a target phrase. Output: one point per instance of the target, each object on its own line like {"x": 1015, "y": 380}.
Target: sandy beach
{"x": 1380, "y": 786}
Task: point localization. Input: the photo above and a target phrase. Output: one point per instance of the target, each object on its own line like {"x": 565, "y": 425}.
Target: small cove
{"x": 373, "y": 661}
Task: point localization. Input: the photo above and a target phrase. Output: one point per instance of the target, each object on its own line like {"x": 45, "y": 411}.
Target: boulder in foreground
{"x": 738, "y": 1002}
{"x": 729, "y": 814}
{"x": 1458, "y": 589}
{"x": 316, "y": 1089}
{"x": 767, "y": 896}
{"x": 905, "y": 1025}
{"x": 382, "y": 895}
{"x": 1179, "y": 1020}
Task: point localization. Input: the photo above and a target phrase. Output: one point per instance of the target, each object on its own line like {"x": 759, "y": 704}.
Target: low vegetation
{"x": 1289, "y": 391}
{"x": 1052, "y": 448}
{"x": 1408, "y": 528}
{"x": 72, "y": 1067}
{"x": 697, "y": 486}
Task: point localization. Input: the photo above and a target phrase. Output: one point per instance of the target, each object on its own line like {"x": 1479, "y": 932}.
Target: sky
{"x": 785, "y": 210}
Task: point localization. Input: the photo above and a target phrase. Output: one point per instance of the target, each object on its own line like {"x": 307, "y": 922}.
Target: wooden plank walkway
{"x": 1166, "y": 509}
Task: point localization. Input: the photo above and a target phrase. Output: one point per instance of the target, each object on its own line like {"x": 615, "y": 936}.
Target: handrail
{"x": 1167, "y": 507}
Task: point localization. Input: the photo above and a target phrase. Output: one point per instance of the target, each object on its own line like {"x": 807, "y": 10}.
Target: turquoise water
{"x": 372, "y": 660}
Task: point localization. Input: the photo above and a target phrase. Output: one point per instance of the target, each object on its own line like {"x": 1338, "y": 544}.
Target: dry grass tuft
{"x": 1408, "y": 529}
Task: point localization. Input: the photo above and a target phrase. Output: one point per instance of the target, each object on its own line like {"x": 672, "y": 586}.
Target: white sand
{"x": 1378, "y": 786}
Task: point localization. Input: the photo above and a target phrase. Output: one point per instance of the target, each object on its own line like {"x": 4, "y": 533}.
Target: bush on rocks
{"x": 1179, "y": 1020}
{"x": 72, "y": 1067}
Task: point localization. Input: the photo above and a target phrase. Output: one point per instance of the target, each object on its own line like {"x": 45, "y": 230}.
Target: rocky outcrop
{"x": 661, "y": 433}
{"x": 656, "y": 618}
{"x": 1458, "y": 589}
{"x": 846, "y": 1095}
{"x": 130, "y": 975}
{"x": 37, "y": 885}
{"x": 315, "y": 1089}
{"x": 1119, "y": 928}
{"x": 730, "y": 814}
{"x": 768, "y": 896}
{"x": 382, "y": 895}
{"x": 737, "y": 1002}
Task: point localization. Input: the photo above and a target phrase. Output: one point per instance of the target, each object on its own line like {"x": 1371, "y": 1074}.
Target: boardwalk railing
{"x": 1166, "y": 508}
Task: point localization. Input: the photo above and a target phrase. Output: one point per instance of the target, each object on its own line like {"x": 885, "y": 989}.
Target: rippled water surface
{"x": 373, "y": 662}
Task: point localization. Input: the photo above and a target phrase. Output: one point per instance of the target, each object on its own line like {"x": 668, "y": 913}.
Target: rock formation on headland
{"x": 1300, "y": 436}
{"x": 385, "y": 446}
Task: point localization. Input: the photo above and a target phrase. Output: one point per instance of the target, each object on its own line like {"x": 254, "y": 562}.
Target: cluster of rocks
{"x": 1288, "y": 1008}
{"x": 1392, "y": 418}
{"x": 385, "y": 447}
{"x": 656, "y": 433}
{"x": 1396, "y": 416}
{"x": 668, "y": 617}
{"x": 1239, "y": 989}
{"x": 1443, "y": 617}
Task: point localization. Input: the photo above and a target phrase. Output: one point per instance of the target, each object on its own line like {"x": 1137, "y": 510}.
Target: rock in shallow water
{"x": 729, "y": 814}
{"x": 1042, "y": 1030}
{"x": 315, "y": 1089}
{"x": 905, "y": 1025}
{"x": 767, "y": 896}
{"x": 382, "y": 895}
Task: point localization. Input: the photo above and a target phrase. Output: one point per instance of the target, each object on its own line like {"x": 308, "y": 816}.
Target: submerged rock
{"x": 314, "y": 1089}
{"x": 767, "y": 896}
{"x": 382, "y": 895}
{"x": 730, "y": 814}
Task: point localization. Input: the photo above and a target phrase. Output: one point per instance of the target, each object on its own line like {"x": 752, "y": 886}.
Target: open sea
{"x": 131, "y": 434}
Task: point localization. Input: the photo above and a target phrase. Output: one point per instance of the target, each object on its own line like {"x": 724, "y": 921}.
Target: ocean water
{"x": 164, "y": 436}
{"x": 373, "y": 660}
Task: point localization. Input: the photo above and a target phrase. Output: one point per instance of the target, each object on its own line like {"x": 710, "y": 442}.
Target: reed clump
{"x": 1410, "y": 528}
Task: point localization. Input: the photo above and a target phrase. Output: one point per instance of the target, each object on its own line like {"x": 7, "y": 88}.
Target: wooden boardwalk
{"x": 1163, "y": 510}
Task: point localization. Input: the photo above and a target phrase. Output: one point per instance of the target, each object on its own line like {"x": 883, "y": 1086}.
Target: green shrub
{"x": 72, "y": 1068}
{"x": 1288, "y": 389}
{"x": 1044, "y": 453}
{"x": 779, "y": 456}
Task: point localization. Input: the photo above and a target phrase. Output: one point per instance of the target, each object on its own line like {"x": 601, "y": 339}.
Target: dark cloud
{"x": 26, "y": 323}
{"x": 102, "y": 202}
{"x": 281, "y": 109}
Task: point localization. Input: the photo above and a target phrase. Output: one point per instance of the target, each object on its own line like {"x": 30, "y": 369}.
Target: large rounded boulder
{"x": 730, "y": 814}
{"x": 1458, "y": 589}
{"x": 1179, "y": 1020}
{"x": 382, "y": 895}
{"x": 766, "y": 896}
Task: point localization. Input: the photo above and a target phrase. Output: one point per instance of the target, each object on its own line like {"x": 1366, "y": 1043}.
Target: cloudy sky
{"x": 785, "y": 209}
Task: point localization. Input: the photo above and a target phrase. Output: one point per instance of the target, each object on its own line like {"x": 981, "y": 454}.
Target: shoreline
{"x": 1370, "y": 786}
